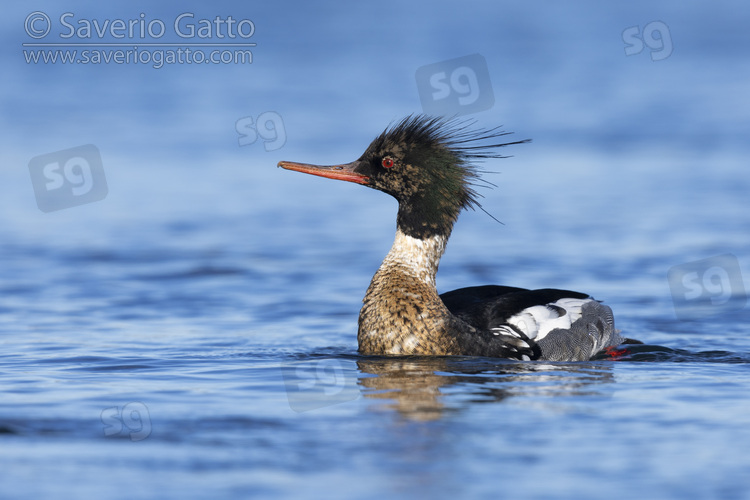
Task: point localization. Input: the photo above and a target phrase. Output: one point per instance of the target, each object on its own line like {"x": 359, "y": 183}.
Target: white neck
{"x": 416, "y": 257}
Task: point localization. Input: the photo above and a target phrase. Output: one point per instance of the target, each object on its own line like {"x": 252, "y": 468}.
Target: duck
{"x": 429, "y": 165}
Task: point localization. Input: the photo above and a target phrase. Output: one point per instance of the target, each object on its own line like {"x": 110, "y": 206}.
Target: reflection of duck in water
{"x": 425, "y": 163}
{"x": 410, "y": 386}
{"x": 419, "y": 388}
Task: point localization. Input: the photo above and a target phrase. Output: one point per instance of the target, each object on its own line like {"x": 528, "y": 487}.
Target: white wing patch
{"x": 537, "y": 321}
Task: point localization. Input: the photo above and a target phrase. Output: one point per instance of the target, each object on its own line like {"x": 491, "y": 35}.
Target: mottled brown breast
{"x": 404, "y": 315}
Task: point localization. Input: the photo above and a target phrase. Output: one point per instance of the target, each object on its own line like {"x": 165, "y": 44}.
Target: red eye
{"x": 387, "y": 162}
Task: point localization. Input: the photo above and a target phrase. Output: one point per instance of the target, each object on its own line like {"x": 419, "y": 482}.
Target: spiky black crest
{"x": 438, "y": 172}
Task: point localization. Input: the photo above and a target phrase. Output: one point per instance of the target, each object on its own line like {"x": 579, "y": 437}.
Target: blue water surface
{"x": 193, "y": 333}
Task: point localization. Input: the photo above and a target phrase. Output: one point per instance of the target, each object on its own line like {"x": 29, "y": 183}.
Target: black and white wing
{"x": 564, "y": 325}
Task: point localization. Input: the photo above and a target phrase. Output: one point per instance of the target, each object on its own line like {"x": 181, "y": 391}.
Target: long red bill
{"x": 341, "y": 172}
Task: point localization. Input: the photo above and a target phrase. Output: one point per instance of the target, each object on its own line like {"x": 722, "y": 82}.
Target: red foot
{"x": 615, "y": 353}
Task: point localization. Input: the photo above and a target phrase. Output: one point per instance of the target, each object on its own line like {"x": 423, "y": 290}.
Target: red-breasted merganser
{"x": 426, "y": 164}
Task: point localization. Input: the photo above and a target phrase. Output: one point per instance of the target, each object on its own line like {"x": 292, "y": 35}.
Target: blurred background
{"x": 628, "y": 105}
{"x": 155, "y": 259}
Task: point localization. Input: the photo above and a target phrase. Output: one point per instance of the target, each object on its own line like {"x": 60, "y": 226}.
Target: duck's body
{"x": 424, "y": 164}
{"x": 403, "y": 314}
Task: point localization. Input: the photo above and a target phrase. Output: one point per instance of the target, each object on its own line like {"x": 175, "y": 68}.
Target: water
{"x": 193, "y": 334}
